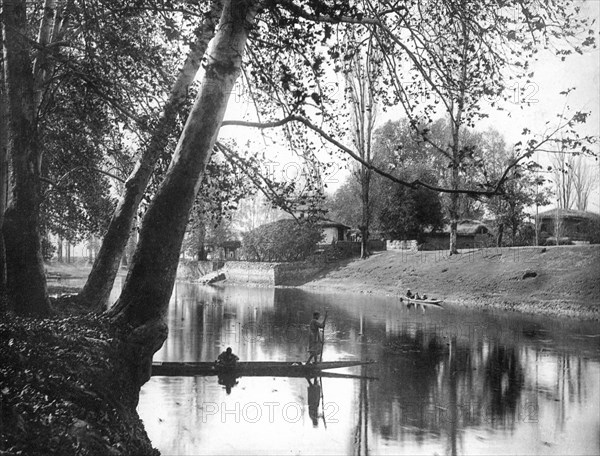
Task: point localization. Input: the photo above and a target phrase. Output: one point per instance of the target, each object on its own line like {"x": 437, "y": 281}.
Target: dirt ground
{"x": 559, "y": 281}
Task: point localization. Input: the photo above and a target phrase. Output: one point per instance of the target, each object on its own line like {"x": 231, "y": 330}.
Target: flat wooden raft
{"x": 253, "y": 369}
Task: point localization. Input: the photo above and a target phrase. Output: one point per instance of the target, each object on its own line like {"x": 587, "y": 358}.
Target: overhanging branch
{"x": 57, "y": 184}
{"x": 413, "y": 184}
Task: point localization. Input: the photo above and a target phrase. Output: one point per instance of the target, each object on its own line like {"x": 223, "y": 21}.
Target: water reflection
{"x": 450, "y": 381}
{"x": 313, "y": 393}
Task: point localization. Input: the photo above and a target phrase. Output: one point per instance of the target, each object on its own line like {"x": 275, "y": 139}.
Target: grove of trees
{"x": 402, "y": 212}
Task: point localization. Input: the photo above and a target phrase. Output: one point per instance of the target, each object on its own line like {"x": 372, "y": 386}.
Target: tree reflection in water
{"x": 503, "y": 383}
{"x": 433, "y": 386}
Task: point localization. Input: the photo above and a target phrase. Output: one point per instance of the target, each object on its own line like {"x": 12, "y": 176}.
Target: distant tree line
{"x": 404, "y": 212}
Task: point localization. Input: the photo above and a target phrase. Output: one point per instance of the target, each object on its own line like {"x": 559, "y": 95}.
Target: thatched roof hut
{"x": 572, "y": 225}
{"x": 566, "y": 214}
{"x": 470, "y": 234}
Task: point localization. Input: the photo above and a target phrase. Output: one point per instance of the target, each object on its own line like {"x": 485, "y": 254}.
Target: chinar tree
{"x": 362, "y": 74}
{"x": 25, "y": 278}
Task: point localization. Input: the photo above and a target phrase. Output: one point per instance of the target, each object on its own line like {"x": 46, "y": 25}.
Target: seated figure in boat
{"x": 227, "y": 358}
{"x": 409, "y": 294}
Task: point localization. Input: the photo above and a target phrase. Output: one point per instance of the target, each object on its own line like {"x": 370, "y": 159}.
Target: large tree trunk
{"x": 500, "y": 235}
{"x": 132, "y": 241}
{"x": 25, "y": 277}
{"x": 40, "y": 64}
{"x": 366, "y": 214}
{"x": 59, "y": 250}
{"x": 454, "y": 214}
{"x": 149, "y": 283}
{"x": 98, "y": 286}
{"x": 514, "y": 225}
{"x": 454, "y": 210}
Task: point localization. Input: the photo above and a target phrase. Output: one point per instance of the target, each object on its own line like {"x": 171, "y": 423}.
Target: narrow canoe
{"x": 250, "y": 368}
{"x": 427, "y": 302}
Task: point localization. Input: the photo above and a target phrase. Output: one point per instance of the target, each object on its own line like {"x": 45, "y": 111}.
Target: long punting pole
{"x": 323, "y": 337}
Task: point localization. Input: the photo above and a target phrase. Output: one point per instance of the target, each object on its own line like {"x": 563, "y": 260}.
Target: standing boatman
{"x": 315, "y": 338}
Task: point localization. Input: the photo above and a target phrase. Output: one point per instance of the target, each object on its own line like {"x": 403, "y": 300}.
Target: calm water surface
{"x": 448, "y": 381}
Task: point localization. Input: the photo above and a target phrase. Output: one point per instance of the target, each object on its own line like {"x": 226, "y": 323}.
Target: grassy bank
{"x": 559, "y": 281}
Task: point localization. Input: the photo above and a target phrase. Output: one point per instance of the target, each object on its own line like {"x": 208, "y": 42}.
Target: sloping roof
{"x": 569, "y": 213}
{"x": 470, "y": 227}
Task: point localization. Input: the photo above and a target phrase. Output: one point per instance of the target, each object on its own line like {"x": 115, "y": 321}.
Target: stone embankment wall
{"x": 401, "y": 245}
{"x": 271, "y": 274}
{"x": 257, "y": 273}
{"x": 253, "y": 272}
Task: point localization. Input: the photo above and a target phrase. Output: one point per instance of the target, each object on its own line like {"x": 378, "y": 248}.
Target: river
{"x": 444, "y": 381}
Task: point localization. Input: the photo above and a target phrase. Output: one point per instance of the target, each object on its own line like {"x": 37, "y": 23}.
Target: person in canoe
{"x": 409, "y": 294}
{"x": 315, "y": 339}
{"x": 227, "y": 359}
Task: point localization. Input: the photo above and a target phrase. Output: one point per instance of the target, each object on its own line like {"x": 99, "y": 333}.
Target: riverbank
{"x": 68, "y": 389}
{"x": 558, "y": 281}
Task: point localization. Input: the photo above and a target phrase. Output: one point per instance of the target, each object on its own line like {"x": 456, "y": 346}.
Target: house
{"x": 332, "y": 231}
{"x": 469, "y": 234}
{"x": 573, "y": 226}
{"x": 226, "y": 250}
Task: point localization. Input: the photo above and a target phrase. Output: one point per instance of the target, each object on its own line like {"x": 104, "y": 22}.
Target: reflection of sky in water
{"x": 450, "y": 381}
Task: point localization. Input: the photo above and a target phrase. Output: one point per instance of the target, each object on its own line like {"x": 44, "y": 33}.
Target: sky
{"x": 540, "y": 102}
{"x": 551, "y": 77}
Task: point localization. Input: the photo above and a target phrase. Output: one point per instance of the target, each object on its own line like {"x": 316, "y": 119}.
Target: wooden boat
{"x": 424, "y": 302}
{"x": 252, "y": 368}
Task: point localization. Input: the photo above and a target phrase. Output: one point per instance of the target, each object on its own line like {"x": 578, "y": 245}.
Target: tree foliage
{"x": 523, "y": 189}
{"x": 217, "y": 201}
{"x": 407, "y": 213}
{"x": 344, "y": 205}
{"x": 283, "y": 240}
